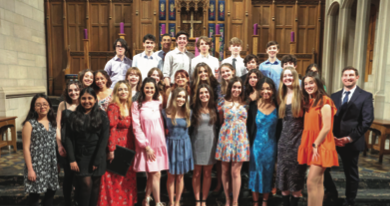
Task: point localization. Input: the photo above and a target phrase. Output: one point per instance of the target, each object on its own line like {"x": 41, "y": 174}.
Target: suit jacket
{"x": 354, "y": 118}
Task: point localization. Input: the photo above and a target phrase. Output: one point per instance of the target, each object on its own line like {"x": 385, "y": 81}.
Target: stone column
{"x": 361, "y": 33}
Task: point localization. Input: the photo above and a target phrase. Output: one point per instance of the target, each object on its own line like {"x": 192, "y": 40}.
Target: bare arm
{"x": 61, "y": 149}
{"x": 26, "y": 138}
{"x": 326, "y": 124}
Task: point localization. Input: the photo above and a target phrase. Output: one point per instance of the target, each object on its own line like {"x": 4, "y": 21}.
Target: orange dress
{"x": 311, "y": 129}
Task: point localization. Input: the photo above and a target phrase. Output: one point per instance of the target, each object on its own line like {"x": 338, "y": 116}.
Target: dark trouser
{"x": 350, "y": 165}
{"x": 88, "y": 189}
{"x": 47, "y": 200}
{"x": 68, "y": 184}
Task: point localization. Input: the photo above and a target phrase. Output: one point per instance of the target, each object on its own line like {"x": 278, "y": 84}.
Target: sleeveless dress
{"x": 312, "y": 127}
{"x": 179, "y": 146}
{"x": 233, "y": 144}
{"x": 43, "y": 159}
{"x": 290, "y": 175}
{"x": 263, "y": 153}
{"x": 103, "y": 103}
{"x": 204, "y": 140}
{"x": 116, "y": 189}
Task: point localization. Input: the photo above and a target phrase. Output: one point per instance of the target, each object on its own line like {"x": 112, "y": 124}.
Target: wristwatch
{"x": 314, "y": 145}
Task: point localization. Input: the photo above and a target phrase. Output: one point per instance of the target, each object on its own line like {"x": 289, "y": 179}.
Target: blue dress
{"x": 179, "y": 146}
{"x": 263, "y": 153}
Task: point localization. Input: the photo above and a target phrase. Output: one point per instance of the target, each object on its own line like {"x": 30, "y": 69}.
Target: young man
{"x": 204, "y": 46}
{"x": 272, "y": 67}
{"x": 117, "y": 67}
{"x": 355, "y": 113}
{"x": 147, "y": 59}
{"x": 177, "y": 59}
{"x": 251, "y": 61}
{"x": 235, "y": 47}
{"x": 165, "y": 45}
{"x": 289, "y": 61}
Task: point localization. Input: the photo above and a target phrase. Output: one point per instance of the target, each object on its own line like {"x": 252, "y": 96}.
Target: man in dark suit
{"x": 354, "y": 116}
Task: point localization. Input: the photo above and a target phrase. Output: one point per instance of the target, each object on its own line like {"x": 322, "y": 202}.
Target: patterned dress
{"x": 103, "y": 103}
{"x": 233, "y": 144}
{"x": 43, "y": 159}
{"x": 116, "y": 189}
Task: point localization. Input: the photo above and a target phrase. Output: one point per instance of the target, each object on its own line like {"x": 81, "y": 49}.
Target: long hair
{"x": 320, "y": 92}
{"x": 184, "y": 73}
{"x": 142, "y": 96}
{"x": 196, "y": 81}
{"x": 296, "y": 104}
{"x": 82, "y": 74}
{"x": 271, "y": 84}
{"x": 196, "y": 116}
{"x": 248, "y": 87}
{"x": 308, "y": 69}
{"x": 232, "y": 81}
{"x": 66, "y": 90}
{"x": 138, "y": 73}
{"x": 32, "y": 114}
{"x": 160, "y": 85}
{"x": 224, "y": 83}
{"x": 80, "y": 122}
{"x": 116, "y": 99}
{"x": 104, "y": 73}
{"x": 173, "y": 108}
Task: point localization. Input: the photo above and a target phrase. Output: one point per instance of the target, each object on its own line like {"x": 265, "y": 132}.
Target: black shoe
{"x": 331, "y": 196}
{"x": 286, "y": 200}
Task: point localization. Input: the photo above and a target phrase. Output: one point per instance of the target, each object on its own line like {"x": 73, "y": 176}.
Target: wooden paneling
{"x": 99, "y": 27}
{"x": 262, "y": 16}
{"x": 237, "y": 21}
{"x": 57, "y": 49}
{"x": 76, "y": 25}
{"x": 307, "y": 19}
{"x": 283, "y": 26}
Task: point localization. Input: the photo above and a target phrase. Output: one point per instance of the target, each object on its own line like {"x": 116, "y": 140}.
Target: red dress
{"x": 115, "y": 189}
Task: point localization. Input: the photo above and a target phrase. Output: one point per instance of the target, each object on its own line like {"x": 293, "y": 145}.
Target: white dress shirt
{"x": 176, "y": 60}
{"x": 240, "y": 66}
{"x": 145, "y": 63}
{"x": 211, "y": 61}
{"x": 350, "y": 95}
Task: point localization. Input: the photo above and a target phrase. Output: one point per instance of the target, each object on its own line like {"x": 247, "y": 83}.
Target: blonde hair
{"x": 116, "y": 100}
{"x": 173, "y": 108}
{"x": 296, "y": 104}
{"x": 223, "y": 81}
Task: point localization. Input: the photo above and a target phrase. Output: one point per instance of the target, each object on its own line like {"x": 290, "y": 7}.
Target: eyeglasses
{"x": 41, "y": 105}
{"x": 120, "y": 46}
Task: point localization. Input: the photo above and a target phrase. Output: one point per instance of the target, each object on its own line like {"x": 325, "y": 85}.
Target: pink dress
{"x": 148, "y": 130}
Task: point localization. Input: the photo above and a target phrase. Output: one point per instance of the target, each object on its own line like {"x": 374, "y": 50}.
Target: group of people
{"x": 182, "y": 113}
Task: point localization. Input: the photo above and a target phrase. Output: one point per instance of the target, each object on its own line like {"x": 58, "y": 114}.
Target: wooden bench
{"x": 5, "y": 123}
{"x": 381, "y": 129}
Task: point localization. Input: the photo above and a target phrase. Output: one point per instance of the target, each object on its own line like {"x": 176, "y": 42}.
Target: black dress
{"x": 88, "y": 149}
{"x": 290, "y": 174}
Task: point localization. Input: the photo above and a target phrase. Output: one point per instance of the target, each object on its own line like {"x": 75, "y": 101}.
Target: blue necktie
{"x": 345, "y": 100}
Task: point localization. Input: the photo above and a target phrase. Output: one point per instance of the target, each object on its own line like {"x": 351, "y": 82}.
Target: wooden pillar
{"x": 49, "y": 49}
{"x": 292, "y": 47}
{"x": 217, "y": 45}
{"x": 272, "y": 26}
{"x": 110, "y": 24}
{"x": 255, "y": 42}
{"x": 86, "y": 54}
{"x": 205, "y": 19}
{"x": 295, "y": 29}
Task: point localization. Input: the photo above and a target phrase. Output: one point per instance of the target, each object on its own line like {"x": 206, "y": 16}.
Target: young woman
{"x": 290, "y": 175}
{"x": 102, "y": 85}
{"x": 87, "y": 133}
{"x": 39, "y": 145}
{"x": 262, "y": 122}
{"x": 317, "y": 149}
{"x": 116, "y": 189}
{"x": 177, "y": 119}
{"x": 202, "y": 74}
{"x": 233, "y": 144}
{"x": 204, "y": 139}
{"x": 226, "y": 72}
{"x": 65, "y": 108}
{"x": 134, "y": 77}
{"x": 157, "y": 75}
{"x": 182, "y": 79}
{"x": 315, "y": 69}
{"x": 151, "y": 150}
{"x": 86, "y": 78}
{"x": 252, "y": 84}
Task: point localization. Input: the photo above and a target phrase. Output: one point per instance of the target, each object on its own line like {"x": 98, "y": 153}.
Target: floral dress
{"x": 103, "y": 103}
{"x": 116, "y": 189}
{"x": 233, "y": 144}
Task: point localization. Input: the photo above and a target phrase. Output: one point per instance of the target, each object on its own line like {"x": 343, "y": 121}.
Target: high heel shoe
{"x": 147, "y": 200}
{"x": 160, "y": 204}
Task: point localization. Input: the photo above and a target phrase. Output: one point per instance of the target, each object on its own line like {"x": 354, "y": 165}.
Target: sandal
{"x": 147, "y": 200}
{"x": 160, "y": 204}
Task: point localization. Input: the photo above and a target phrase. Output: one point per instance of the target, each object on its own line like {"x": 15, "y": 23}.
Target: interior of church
{"x": 42, "y": 41}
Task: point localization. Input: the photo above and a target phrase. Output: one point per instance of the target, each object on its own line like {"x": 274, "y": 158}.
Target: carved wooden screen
{"x": 237, "y": 21}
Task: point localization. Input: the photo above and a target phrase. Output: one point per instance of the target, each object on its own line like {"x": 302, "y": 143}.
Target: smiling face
{"x": 202, "y": 74}
{"x": 204, "y": 95}
{"x": 149, "y": 45}
{"x": 288, "y": 78}
{"x": 235, "y": 49}
{"x": 236, "y": 89}
{"x": 182, "y": 41}
{"x": 226, "y": 73}
{"x": 133, "y": 79}
{"x": 310, "y": 85}
{"x": 166, "y": 42}
{"x": 87, "y": 101}
{"x": 349, "y": 78}
{"x": 100, "y": 80}
{"x": 88, "y": 79}
{"x": 272, "y": 51}
{"x": 123, "y": 92}
{"x": 266, "y": 91}
{"x": 252, "y": 64}
{"x": 42, "y": 107}
{"x": 181, "y": 80}
{"x": 74, "y": 92}
{"x": 149, "y": 90}
{"x": 156, "y": 76}
{"x": 120, "y": 50}
{"x": 181, "y": 98}
{"x": 203, "y": 47}
{"x": 253, "y": 80}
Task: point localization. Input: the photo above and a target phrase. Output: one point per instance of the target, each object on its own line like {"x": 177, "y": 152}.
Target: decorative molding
{"x": 309, "y": 2}
{"x": 204, "y": 4}
{"x": 84, "y": 1}
{"x": 107, "y": 53}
